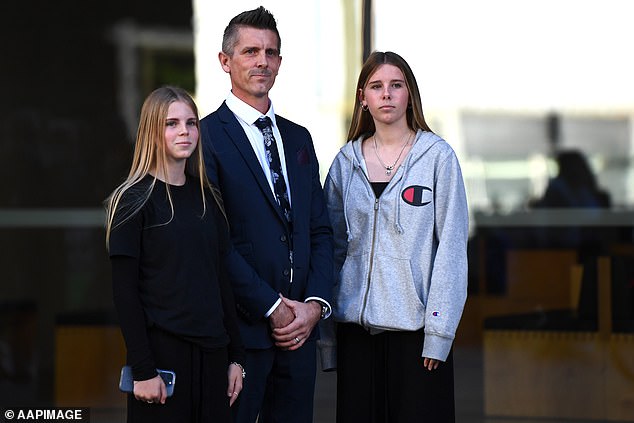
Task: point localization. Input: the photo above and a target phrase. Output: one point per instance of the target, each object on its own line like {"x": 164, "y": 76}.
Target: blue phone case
{"x": 126, "y": 383}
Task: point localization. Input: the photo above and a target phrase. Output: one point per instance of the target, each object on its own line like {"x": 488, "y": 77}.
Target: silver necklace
{"x": 389, "y": 169}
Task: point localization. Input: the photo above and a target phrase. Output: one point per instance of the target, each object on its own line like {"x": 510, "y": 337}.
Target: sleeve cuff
{"x": 144, "y": 370}
{"x": 323, "y": 303}
{"x": 272, "y": 309}
{"x": 327, "y": 345}
{"x": 436, "y": 347}
{"x": 328, "y": 357}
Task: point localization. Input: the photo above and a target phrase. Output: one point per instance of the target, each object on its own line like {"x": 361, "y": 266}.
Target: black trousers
{"x": 280, "y": 386}
{"x": 381, "y": 379}
{"x": 200, "y": 391}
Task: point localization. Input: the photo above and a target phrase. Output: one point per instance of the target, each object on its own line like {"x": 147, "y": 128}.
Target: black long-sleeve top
{"x": 168, "y": 272}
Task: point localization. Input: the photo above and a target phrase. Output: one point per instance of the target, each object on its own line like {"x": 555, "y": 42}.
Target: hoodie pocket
{"x": 348, "y": 293}
{"x": 393, "y": 301}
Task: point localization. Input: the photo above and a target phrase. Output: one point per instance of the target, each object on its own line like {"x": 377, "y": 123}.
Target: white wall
{"x": 523, "y": 55}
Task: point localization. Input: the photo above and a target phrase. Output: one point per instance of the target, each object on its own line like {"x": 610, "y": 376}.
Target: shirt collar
{"x": 247, "y": 113}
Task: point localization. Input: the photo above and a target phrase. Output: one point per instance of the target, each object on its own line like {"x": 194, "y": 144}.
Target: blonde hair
{"x": 150, "y": 155}
{"x": 362, "y": 122}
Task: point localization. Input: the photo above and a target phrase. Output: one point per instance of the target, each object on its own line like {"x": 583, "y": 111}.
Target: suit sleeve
{"x": 320, "y": 276}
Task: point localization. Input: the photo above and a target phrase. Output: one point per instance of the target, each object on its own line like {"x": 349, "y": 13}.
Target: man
{"x": 281, "y": 264}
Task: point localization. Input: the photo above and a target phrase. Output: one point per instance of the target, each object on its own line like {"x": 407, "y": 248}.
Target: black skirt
{"x": 381, "y": 379}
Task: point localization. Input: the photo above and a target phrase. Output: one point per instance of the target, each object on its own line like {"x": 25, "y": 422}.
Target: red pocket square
{"x": 302, "y": 156}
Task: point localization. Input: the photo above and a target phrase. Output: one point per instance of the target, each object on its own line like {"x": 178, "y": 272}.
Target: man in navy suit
{"x": 281, "y": 263}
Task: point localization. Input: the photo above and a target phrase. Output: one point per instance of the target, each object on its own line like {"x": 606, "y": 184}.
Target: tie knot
{"x": 263, "y": 123}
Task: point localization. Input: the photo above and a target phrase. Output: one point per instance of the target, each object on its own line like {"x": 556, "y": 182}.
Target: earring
{"x": 364, "y": 107}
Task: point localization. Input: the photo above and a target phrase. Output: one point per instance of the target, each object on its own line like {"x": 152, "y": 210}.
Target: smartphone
{"x": 126, "y": 383}
{"x": 169, "y": 377}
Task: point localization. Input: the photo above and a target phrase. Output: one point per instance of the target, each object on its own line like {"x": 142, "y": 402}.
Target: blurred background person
{"x": 575, "y": 184}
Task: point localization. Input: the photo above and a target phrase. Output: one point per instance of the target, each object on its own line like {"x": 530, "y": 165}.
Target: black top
{"x": 168, "y": 272}
{"x": 378, "y": 188}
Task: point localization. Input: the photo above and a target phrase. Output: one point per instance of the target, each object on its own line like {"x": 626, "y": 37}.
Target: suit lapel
{"x": 240, "y": 140}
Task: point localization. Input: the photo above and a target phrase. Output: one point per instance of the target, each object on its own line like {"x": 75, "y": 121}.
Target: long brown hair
{"x": 150, "y": 155}
{"x": 362, "y": 122}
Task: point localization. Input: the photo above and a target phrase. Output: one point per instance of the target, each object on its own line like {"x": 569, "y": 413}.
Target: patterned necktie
{"x": 273, "y": 157}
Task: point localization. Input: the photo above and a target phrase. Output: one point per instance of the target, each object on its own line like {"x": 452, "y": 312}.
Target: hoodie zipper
{"x": 367, "y": 288}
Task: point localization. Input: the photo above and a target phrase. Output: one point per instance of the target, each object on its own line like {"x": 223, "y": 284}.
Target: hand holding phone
{"x": 126, "y": 383}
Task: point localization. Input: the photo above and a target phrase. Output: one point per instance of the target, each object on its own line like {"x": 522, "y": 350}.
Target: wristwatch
{"x": 324, "y": 311}
{"x": 324, "y": 308}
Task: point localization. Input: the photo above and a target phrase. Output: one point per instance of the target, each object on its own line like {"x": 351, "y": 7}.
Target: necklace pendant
{"x": 388, "y": 172}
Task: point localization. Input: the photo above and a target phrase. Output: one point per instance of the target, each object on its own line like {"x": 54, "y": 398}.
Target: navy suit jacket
{"x": 258, "y": 264}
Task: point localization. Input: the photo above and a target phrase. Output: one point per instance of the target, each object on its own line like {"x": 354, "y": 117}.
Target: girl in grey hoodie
{"x": 397, "y": 204}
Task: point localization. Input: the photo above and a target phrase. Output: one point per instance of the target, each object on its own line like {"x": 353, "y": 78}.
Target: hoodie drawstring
{"x": 345, "y": 200}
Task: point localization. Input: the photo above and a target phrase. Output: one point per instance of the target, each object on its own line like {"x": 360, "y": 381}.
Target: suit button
{"x": 283, "y": 238}
{"x": 286, "y": 272}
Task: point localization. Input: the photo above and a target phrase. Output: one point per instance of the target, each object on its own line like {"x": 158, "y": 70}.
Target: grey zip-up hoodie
{"x": 401, "y": 259}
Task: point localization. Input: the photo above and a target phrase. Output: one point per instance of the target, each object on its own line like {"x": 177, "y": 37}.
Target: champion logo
{"x": 417, "y": 195}
{"x": 436, "y": 313}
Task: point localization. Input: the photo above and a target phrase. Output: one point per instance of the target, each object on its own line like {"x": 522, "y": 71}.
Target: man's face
{"x": 253, "y": 65}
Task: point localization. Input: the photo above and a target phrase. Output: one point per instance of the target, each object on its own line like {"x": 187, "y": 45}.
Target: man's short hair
{"x": 259, "y": 18}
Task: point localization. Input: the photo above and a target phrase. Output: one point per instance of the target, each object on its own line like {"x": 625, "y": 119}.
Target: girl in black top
{"x": 167, "y": 237}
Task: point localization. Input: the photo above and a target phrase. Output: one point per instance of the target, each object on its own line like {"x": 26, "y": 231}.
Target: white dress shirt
{"x": 246, "y": 116}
